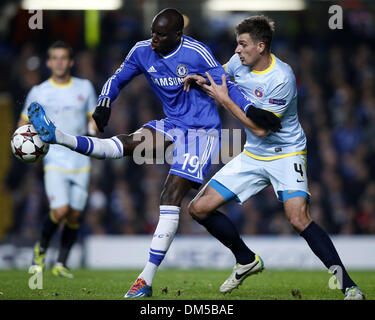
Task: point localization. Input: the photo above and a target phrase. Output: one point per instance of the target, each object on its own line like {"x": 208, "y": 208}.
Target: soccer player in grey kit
{"x": 277, "y": 159}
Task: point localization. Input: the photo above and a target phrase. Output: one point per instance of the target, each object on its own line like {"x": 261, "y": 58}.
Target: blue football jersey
{"x": 193, "y": 109}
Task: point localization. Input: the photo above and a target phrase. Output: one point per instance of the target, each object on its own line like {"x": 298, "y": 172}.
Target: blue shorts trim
{"x": 222, "y": 190}
{"x": 185, "y": 175}
{"x": 194, "y": 149}
{"x": 287, "y": 194}
{"x": 162, "y": 127}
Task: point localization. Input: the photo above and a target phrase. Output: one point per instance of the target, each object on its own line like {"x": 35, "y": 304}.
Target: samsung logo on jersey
{"x": 166, "y": 82}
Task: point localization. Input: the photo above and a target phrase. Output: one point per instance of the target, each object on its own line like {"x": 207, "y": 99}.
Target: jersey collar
{"x": 269, "y": 68}
{"x": 61, "y": 85}
{"x": 174, "y": 51}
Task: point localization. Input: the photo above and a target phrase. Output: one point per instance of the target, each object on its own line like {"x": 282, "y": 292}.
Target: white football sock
{"x": 162, "y": 239}
{"x": 94, "y": 147}
{"x": 65, "y": 139}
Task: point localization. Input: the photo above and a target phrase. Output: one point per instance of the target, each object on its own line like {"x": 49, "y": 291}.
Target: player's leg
{"x": 68, "y": 238}
{"x": 112, "y": 148}
{"x": 184, "y": 174}
{"x": 203, "y": 209}
{"x": 237, "y": 180}
{"x": 297, "y": 211}
{"x": 175, "y": 189}
{"x": 115, "y": 147}
{"x": 57, "y": 193}
{"x": 289, "y": 179}
{"x": 78, "y": 195}
{"x": 49, "y": 227}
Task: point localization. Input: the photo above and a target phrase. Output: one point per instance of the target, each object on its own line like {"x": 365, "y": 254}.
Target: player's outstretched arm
{"x": 123, "y": 75}
{"x": 220, "y": 94}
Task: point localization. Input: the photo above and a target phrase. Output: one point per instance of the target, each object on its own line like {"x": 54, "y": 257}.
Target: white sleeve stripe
{"x": 133, "y": 49}
{"x": 109, "y": 84}
{"x": 195, "y": 49}
{"x": 138, "y": 45}
{"x": 105, "y": 102}
{"x": 104, "y": 87}
{"x": 204, "y": 51}
{"x": 197, "y": 45}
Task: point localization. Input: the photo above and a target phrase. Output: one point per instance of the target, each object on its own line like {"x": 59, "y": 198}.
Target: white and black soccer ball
{"x": 26, "y": 144}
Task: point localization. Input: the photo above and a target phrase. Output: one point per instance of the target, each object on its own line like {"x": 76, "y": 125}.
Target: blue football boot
{"x": 139, "y": 289}
{"x": 43, "y": 125}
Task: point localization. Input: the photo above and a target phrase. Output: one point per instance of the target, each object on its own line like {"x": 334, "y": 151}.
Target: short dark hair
{"x": 260, "y": 28}
{"x": 61, "y": 45}
{"x": 173, "y": 15}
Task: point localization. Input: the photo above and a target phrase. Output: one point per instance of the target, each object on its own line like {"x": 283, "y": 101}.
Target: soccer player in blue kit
{"x": 165, "y": 60}
{"x": 277, "y": 159}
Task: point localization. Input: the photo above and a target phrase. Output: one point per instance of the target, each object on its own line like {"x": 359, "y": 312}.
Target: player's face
{"x": 248, "y": 51}
{"x": 164, "y": 36}
{"x": 59, "y": 62}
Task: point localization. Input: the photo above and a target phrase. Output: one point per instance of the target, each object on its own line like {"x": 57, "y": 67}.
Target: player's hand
{"x": 215, "y": 91}
{"x": 92, "y": 128}
{"x": 193, "y": 78}
{"x": 102, "y": 114}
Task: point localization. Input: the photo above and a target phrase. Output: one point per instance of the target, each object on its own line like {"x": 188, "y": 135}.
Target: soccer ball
{"x": 26, "y": 144}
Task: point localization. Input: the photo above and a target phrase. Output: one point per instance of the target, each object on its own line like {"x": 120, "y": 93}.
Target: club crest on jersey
{"x": 259, "y": 92}
{"x": 181, "y": 70}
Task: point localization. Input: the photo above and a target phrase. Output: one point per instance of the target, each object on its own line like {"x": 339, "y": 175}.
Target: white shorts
{"x": 67, "y": 188}
{"x": 244, "y": 177}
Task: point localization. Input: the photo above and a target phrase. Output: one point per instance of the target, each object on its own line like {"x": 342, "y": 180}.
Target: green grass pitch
{"x": 171, "y": 284}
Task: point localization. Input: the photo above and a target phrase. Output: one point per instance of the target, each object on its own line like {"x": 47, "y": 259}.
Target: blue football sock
{"x": 223, "y": 229}
{"x": 320, "y": 243}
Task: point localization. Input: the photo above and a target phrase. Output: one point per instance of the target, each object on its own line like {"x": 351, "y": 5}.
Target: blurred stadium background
{"x": 335, "y": 71}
